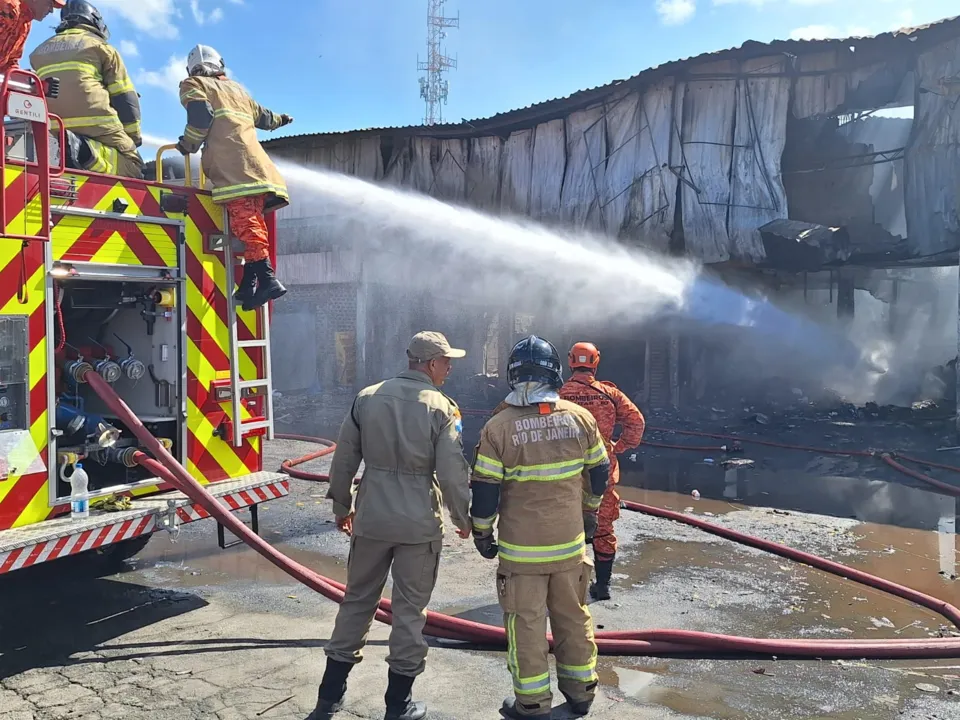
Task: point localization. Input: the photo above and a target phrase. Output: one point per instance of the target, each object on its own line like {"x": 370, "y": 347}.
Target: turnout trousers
{"x": 605, "y": 541}
{"x": 414, "y": 570}
{"x": 248, "y": 224}
{"x": 525, "y": 600}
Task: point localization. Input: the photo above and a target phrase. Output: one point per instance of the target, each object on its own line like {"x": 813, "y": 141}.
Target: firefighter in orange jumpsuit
{"x": 610, "y": 407}
{"x": 223, "y": 119}
{"x": 16, "y": 17}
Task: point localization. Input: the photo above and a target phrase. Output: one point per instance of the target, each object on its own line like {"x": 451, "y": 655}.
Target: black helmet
{"x": 533, "y": 359}
{"x": 77, "y": 13}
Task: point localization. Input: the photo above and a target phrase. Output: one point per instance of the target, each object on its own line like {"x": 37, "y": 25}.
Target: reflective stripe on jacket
{"x": 540, "y": 457}
{"x": 233, "y": 158}
{"x": 407, "y": 433}
{"x": 97, "y": 98}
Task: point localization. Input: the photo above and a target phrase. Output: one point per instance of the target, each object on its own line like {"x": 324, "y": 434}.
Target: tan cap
{"x": 428, "y": 345}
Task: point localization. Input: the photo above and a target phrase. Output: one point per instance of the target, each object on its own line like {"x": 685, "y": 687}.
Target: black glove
{"x": 486, "y": 546}
{"x": 181, "y": 148}
{"x": 590, "y": 522}
{"x": 285, "y": 120}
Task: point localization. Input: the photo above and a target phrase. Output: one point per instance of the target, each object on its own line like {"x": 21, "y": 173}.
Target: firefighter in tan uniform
{"x": 223, "y": 119}
{"x": 408, "y": 434}
{"x": 97, "y": 101}
{"x": 541, "y": 465}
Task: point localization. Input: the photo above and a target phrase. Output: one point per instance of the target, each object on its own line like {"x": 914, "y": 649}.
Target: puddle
{"x": 829, "y": 486}
{"x": 200, "y": 562}
{"x": 704, "y": 699}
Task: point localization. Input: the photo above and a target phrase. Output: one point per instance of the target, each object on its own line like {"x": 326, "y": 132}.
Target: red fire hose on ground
{"x": 649, "y": 642}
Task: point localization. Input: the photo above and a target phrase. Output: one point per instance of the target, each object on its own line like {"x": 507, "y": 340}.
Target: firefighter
{"x": 223, "y": 119}
{"x": 97, "y": 100}
{"x": 542, "y": 466}
{"x": 16, "y": 16}
{"x": 408, "y": 434}
{"x": 610, "y": 407}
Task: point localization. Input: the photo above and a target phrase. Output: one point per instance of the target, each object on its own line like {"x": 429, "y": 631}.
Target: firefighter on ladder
{"x": 223, "y": 119}
{"x": 16, "y": 17}
{"x": 542, "y": 466}
{"x": 96, "y": 99}
{"x": 611, "y": 407}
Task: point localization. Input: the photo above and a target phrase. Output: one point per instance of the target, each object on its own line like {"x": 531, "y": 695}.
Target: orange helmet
{"x": 584, "y": 355}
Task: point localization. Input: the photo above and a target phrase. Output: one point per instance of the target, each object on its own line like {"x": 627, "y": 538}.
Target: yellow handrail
{"x": 188, "y": 174}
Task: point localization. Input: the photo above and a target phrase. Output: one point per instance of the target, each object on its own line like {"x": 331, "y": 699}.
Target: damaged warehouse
{"x": 767, "y": 163}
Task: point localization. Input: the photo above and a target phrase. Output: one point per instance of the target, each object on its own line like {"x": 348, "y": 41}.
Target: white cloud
{"x": 197, "y": 12}
{"x": 201, "y": 17}
{"x": 235, "y": 2}
{"x": 129, "y": 49}
{"x": 153, "y": 17}
{"x": 168, "y": 77}
{"x": 676, "y": 12}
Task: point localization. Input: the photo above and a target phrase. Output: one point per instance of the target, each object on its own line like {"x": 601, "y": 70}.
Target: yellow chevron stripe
{"x": 28, "y": 220}
{"x": 223, "y": 453}
{"x": 116, "y": 251}
{"x": 38, "y": 434}
{"x": 205, "y": 374}
{"x": 161, "y": 242}
{"x": 11, "y": 173}
{"x": 14, "y": 307}
{"x": 217, "y": 329}
{"x": 37, "y": 509}
{"x": 213, "y": 267}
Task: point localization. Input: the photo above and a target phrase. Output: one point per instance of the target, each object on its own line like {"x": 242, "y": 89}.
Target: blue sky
{"x": 341, "y": 65}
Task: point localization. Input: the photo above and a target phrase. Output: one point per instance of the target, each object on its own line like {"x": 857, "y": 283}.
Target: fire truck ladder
{"x": 230, "y": 247}
{"x": 238, "y": 386}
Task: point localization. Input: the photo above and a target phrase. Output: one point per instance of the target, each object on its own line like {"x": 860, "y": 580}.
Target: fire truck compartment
{"x": 131, "y": 331}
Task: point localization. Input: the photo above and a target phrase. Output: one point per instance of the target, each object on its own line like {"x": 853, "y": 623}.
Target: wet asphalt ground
{"x": 191, "y": 631}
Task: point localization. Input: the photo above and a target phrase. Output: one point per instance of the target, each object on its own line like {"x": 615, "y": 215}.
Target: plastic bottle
{"x": 79, "y": 499}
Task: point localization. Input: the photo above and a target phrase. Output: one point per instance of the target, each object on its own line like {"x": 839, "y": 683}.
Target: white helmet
{"x": 204, "y": 60}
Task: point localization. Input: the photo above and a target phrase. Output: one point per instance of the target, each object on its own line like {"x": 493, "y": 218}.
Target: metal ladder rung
{"x": 236, "y": 345}
{"x": 262, "y": 382}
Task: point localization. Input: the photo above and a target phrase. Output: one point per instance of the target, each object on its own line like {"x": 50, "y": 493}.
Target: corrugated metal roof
{"x": 558, "y": 106}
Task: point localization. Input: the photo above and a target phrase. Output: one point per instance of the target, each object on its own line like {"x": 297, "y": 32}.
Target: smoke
{"x": 573, "y": 280}
{"x": 413, "y": 241}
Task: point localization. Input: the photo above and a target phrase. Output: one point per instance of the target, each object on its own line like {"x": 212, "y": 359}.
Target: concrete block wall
{"x": 304, "y": 336}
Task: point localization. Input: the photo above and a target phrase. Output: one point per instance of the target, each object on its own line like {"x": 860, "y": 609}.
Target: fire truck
{"x": 134, "y": 279}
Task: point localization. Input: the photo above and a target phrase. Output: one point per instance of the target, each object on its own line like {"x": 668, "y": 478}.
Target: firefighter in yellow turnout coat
{"x": 541, "y": 465}
{"x": 97, "y": 100}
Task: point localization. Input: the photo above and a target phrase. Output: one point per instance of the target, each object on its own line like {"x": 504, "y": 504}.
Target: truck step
{"x": 52, "y": 539}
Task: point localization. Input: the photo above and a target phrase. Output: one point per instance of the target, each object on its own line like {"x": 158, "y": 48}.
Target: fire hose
{"x": 648, "y": 642}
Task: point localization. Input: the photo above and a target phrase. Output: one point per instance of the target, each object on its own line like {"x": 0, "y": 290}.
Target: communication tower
{"x": 433, "y": 85}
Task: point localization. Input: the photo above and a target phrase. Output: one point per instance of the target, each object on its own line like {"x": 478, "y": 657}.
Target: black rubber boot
{"x": 578, "y": 708}
{"x": 600, "y": 590}
{"x": 399, "y": 700}
{"x": 268, "y": 287}
{"x": 248, "y": 285}
{"x": 509, "y": 710}
{"x": 333, "y": 687}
